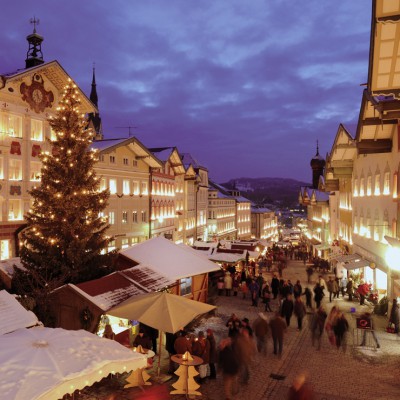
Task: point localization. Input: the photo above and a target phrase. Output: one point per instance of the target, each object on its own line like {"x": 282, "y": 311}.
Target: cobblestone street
{"x": 356, "y": 374}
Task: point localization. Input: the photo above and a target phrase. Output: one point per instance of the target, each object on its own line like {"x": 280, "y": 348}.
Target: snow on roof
{"x": 241, "y": 199}
{"x": 148, "y": 278}
{"x": 104, "y": 144}
{"x": 13, "y": 315}
{"x": 321, "y": 196}
{"x": 169, "y": 259}
{"x": 8, "y": 266}
{"x": 108, "y": 291}
{"x": 227, "y": 257}
{"x": 188, "y": 159}
{"x": 199, "y": 243}
{"x": 260, "y": 210}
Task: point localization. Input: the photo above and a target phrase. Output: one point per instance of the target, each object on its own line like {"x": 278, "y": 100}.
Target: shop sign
{"x": 363, "y": 323}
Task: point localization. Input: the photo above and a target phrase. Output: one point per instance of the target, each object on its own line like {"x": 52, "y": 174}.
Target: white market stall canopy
{"x": 45, "y": 363}
{"x": 169, "y": 259}
{"x": 13, "y": 315}
{"x": 356, "y": 264}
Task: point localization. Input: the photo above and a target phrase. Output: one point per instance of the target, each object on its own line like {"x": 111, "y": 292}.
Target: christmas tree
{"x": 65, "y": 236}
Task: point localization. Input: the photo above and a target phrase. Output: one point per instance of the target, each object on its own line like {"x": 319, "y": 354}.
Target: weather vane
{"x": 35, "y": 22}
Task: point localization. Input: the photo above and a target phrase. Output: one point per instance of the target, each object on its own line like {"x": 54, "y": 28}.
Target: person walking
{"x": 350, "y": 289}
{"x": 329, "y": 286}
{"x": 228, "y": 283}
{"x": 308, "y": 294}
{"x": 300, "y": 311}
{"x": 317, "y": 326}
{"x": 278, "y": 328}
{"x": 254, "y": 291}
{"x": 266, "y": 295}
{"x": 287, "y": 309}
{"x": 213, "y": 354}
{"x": 245, "y": 350}
{"x": 318, "y": 294}
{"x": 261, "y": 329}
{"x": 395, "y": 316}
{"x": 275, "y": 286}
{"x": 201, "y": 348}
{"x": 297, "y": 289}
{"x": 300, "y": 389}
{"x": 340, "y": 329}
{"x": 228, "y": 364}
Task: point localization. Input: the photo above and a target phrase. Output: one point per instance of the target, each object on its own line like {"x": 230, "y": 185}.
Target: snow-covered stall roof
{"x": 169, "y": 259}
{"x": 227, "y": 257}
{"x": 108, "y": 291}
{"x": 45, "y": 363}
{"x": 13, "y": 315}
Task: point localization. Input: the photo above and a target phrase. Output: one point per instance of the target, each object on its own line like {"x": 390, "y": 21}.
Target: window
{"x": 369, "y": 185}
{"x": 143, "y": 189}
{"x": 15, "y": 170}
{"x": 126, "y": 187}
{"x": 1, "y": 168}
{"x": 111, "y": 217}
{"x": 113, "y": 186}
{"x": 126, "y": 161}
{"x": 36, "y": 129}
{"x": 361, "y": 187}
{"x": 11, "y": 125}
{"x": 355, "y": 191}
{"x": 53, "y": 135}
{"x": 35, "y": 171}
{"x": 377, "y": 188}
{"x": 103, "y": 184}
{"x": 14, "y": 210}
{"x": 125, "y": 243}
{"x": 101, "y": 158}
{"x": 134, "y": 217}
{"x": 135, "y": 188}
{"x": 186, "y": 286}
{"x": 5, "y": 248}
{"x": 386, "y": 183}
{"x": 112, "y": 159}
{"x": 144, "y": 216}
{"x": 111, "y": 246}
{"x": 124, "y": 217}
{"x": 134, "y": 163}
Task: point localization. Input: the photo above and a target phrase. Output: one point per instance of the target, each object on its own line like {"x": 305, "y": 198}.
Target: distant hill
{"x": 268, "y": 191}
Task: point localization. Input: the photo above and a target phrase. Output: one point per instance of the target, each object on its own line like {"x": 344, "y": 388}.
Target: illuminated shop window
{"x": 369, "y": 185}
{"x": 124, "y": 217}
{"x": 126, "y": 187}
{"x": 186, "y": 286}
{"x": 35, "y": 171}
{"x": 10, "y": 125}
{"x": 124, "y": 243}
{"x": 361, "y": 187}
{"x": 14, "y": 210}
{"x": 36, "y": 130}
{"x": 377, "y": 188}
{"x": 111, "y": 217}
{"x": 15, "y": 170}
{"x": 386, "y": 183}
{"x": 5, "y": 249}
{"x": 113, "y": 186}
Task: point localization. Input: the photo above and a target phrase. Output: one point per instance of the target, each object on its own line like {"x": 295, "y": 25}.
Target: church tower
{"x": 317, "y": 165}
{"x": 34, "y": 55}
{"x": 94, "y": 118}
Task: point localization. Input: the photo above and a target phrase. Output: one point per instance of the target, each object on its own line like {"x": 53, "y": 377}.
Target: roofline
{"x": 27, "y": 71}
{"x": 372, "y": 45}
{"x": 126, "y": 141}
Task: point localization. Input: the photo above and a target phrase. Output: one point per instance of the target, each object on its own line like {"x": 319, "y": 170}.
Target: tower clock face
{"x": 36, "y": 95}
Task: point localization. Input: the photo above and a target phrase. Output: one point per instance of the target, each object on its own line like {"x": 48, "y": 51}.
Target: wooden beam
{"x": 379, "y": 121}
{"x": 369, "y": 146}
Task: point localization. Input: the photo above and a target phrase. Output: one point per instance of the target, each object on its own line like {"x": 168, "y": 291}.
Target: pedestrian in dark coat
{"x": 261, "y": 329}
{"x": 318, "y": 294}
{"x": 266, "y": 293}
{"x": 350, "y": 289}
{"x": 297, "y": 290}
{"x": 299, "y": 310}
{"x": 228, "y": 364}
{"x": 287, "y": 309}
{"x": 340, "y": 328}
{"x": 317, "y": 326}
{"x": 275, "y": 286}
{"x": 308, "y": 294}
{"x": 278, "y": 328}
{"x": 213, "y": 353}
{"x": 395, "y": 316}
{"x": 254, "y": 291}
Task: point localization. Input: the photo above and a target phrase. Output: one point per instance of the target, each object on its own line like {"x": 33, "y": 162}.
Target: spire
{"x": 94, "y": 118}
{"x": 34, "y": 55}
{"x": 317, "y": 165}
{"x": 93, "y": 92}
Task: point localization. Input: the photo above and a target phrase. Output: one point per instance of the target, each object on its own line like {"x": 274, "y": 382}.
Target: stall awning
{"x": 314, "y": 241}
{"x": 357, "y": 264}
{"x": 322, "y": 247}
{"x": 346, "y": 257}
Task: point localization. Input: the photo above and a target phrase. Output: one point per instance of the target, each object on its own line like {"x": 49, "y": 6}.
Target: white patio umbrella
{"x": 45, "y": 363}
{"x": 161, "y": 310}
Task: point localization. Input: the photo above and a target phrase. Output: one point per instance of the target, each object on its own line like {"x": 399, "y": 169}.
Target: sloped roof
{"x": 110, "y": 290}
{"x": 148, "y": 278}
{"x": 13, "y": 315}
{"x": 169, "y": 259}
